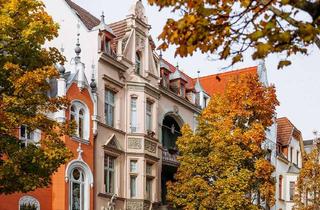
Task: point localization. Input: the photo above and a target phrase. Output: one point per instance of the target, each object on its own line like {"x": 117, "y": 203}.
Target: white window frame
{"x": 27, "y": 199}
{"x": 133, "y": 114}
{"x": 78, "y": 106}
{"x": 149, "y": 109}
{"x": 29, "y": 137}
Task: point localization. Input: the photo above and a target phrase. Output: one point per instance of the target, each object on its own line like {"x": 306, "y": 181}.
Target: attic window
{"x": 182, "y": 90}
{"x": 138, "y": 63}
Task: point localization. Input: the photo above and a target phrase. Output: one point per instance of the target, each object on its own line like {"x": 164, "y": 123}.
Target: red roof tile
{"x": 286, "y": 130}
{"x": 216, "y": 83}
{"x": 87, "y": 18}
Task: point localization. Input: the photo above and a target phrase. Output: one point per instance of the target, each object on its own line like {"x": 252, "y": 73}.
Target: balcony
{"x": 169, "y": 157}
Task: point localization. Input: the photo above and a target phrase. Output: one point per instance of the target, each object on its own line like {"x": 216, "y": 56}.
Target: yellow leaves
{"x": 224, "y": 155}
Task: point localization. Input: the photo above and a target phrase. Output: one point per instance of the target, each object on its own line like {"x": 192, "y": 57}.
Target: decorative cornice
{"x": 113, "y": 61}
{"x": 113, "y": 81}
{"x": 182, "y": 101}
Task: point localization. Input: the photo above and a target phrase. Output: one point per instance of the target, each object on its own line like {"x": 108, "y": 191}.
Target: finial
{"x": 93, "y": 84}
{"x": 80, "y": 151}
{"x": 177, "y": 66}
{"x": 198, "y": 74}
{"x": 61, "y": 69}
{"x": 102, "y": 17}
{"x": 160, "y": 55}
{"x": 78, "y": 49}
{"x": 62, "y": 49}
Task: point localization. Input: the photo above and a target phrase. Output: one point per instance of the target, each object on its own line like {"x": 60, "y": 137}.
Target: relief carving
{"x": 135, "y": 205}
{"x": 150, "y": 146}
{"x": 134, "y": 143}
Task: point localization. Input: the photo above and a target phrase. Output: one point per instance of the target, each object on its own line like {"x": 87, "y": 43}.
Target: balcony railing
{"x": 170, "y": 157}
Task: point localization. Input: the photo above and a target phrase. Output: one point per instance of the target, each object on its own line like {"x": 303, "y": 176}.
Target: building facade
{"x": 129, "y": 104}
{"x": 290, "y": 151}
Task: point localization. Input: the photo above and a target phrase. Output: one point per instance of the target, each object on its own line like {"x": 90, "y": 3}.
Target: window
{"x": 109, "y": 175}
{"x": 133, "y": 166}
{"x": 27, "y": 136}
{"x": 109, "y": 107}
{"x": 29, "y": 203}
{"x": 138, "y": 63}
{"x": 291, "y": 192}
{"x": 149, "y": 181}
{"x": 149, "y": 188}
{"x": 280, "y": 187}
{"x": 133, "y": 186}
{"x": 197, "y": 98}
{"x": 205, "y": 101}
{"x": 297, "y": 158}
{"x": 79, "y": 114}
{"x": 133, "y": 107}
{"x": 182, "y": 90}
{"x": 291, "y": 154}
{"x": 149, "y": 169}
{"x": 149, "y": 116}
{"x": 77, "y": 189}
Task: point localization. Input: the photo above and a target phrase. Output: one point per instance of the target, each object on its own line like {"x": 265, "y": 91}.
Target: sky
{"x": 298, "y": 86}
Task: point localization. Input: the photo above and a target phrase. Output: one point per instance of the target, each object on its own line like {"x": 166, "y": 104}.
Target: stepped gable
{"x": 89, "y": 20}
{"x": 216, "y": 83}
{"x": 286, "y": 130}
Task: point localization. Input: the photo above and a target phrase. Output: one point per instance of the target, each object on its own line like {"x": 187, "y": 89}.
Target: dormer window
{"x": 138, "y": 63}
{"x": 107, "y": 46}
{"x": 182, "y": 89}
{"x": 79, "y": 113}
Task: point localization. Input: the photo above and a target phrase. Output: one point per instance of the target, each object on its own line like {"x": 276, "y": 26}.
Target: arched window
{"x": 80, "y": 114}
{"x": 138, "y": 63}
{"x": 28, "y": 202}
{"x": 80, "y": 178}
{"x": 77, "y": 183}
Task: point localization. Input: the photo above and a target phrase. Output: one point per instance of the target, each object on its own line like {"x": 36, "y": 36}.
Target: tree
{"x": 308, "y": 183}
{"x": 222, "y": 164}
{"x": 227, "y": 28}
{"x": 25, "y": 69}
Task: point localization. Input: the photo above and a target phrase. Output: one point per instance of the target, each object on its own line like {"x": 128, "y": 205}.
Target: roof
{"x": 119, "y": 29}
{"x": 286, "y": 130}
{"x": 216, "y": 83}
{"x": 89, "y": 20}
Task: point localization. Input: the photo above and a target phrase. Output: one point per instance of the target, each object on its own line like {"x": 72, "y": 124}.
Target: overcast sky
{"x": 298, "y": 86}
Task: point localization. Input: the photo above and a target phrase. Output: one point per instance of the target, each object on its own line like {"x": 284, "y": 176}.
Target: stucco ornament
{"x": 140, "y": 12}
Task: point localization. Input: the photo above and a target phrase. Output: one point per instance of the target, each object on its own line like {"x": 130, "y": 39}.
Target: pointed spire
{"x": 160, "y": 55}
{"x": 77, "y": 50}
{"x": 102, "y": 18}
{"x": 177, "y": 66}
{"x": 198, "y": 74}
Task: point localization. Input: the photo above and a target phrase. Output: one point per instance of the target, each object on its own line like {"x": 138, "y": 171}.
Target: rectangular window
{"x": 133, "y": 107}
{"x": 149, "y": 188}
{"x": 109, "y": 173}
{"x": 149, "y": 169}
{"x": 149, "y": 116}
{"x": 133, "y": 166}
{"x": 205, "y": 101}
{"x": 182, "y": 90}
{"x": 297, "y": 158}
{"x": 109, "y": 107}
{"x": 133, "y": 186}
{"x": 291, "y": 192}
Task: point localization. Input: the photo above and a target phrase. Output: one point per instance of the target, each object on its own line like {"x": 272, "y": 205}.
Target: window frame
{"x": 149, "y": 111}
{"x": 106, "y": 173}
{"x": 76, "y": 107}
{"x": 133, "y": 114}
{"x": 138, "y": 62}
{"x": 109, "y": 104}
{"x": 291, "y": 190}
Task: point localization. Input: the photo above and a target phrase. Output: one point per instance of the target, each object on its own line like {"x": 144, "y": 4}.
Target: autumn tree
{"x": 222, "y": 164}
{"x": 227, "y": 28}
{"x": 25, "y": 69}
{"x": 308, "y": 184}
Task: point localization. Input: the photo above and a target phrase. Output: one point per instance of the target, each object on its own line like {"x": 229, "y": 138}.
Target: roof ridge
{"x": 229, "y": 72}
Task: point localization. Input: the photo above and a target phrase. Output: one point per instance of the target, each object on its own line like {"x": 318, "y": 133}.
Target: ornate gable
{"x": 113, "y": 143}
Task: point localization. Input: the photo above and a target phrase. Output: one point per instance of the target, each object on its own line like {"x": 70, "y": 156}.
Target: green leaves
{"x": 25, "y": 68}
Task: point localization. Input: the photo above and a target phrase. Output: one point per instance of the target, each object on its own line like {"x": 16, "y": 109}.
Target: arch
{"x": 176, "y": 117}
{"x": 85, "y": 181}
{"x": 80, "y": 113}
{"x": 29, "y": 200}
